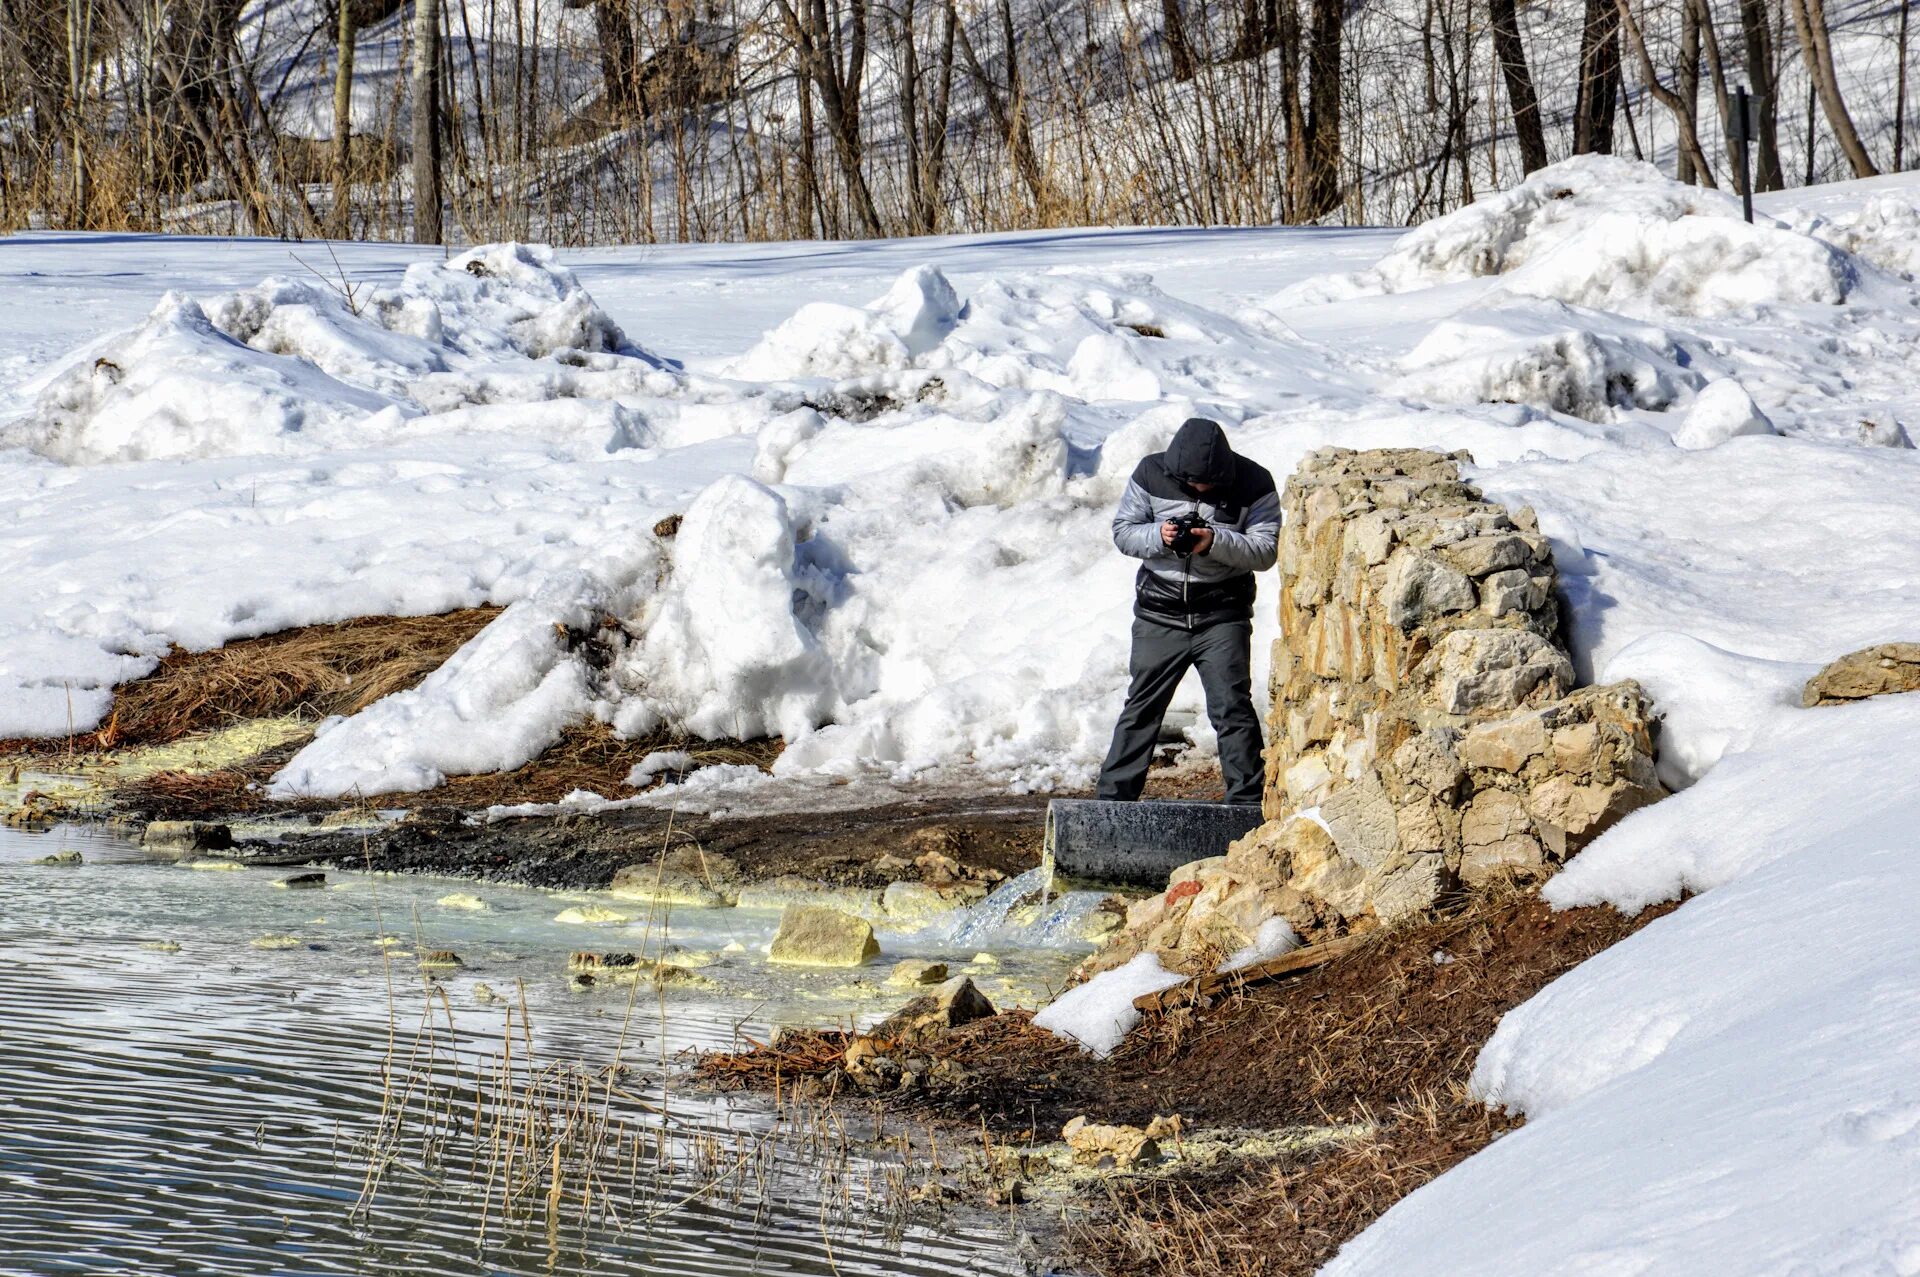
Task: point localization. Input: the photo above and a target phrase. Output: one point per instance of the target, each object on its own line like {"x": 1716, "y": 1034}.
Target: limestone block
{"x": 949, "y": 1006}
{"x": 1369, "y": 538}
{"x": 1483, "y": 671}
{"x": 1420, "y": 827}
{"x": 1874, "y": 671}
{"x": 1407, "y": 888}
{"x": 1513, "y": 591}
{"x": 1479, "y": 556}
{"x": 1511, "y": 859}
{"x": 1431, "y": 760}
{"x": 817, "y": 936}
{"x": 1268, "y": 854}
{"x": 1571, "y": 814}
{"x": 1506, "y": 744}
{"x": 1361, "y": 819}
{"x": 1576, "y": 748}
{"x": 1420, "y": 587}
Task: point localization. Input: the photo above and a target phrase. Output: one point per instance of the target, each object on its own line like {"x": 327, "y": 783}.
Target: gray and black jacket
{"x": 1191, "y": 591}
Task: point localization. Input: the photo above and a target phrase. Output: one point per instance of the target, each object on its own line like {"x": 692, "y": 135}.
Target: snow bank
{"x": 1551, "y": 356}
{"x": 178, "y": 387}
{"x": 824, "y": 339}
{"x": 301, "y": 365}
{"x": 1731, "y": 1089}
{"x": 1608, "y": 234}
{"x": 503, "y": 698}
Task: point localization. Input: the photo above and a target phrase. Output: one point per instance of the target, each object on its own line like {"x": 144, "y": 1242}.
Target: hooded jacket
{"x": 1191, "y": 591}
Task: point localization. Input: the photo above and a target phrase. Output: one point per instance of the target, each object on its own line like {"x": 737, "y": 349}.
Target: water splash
{"x": 1022, "y": 913}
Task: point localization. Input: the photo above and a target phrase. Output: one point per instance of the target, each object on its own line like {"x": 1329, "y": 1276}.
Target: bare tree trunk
{"x": 1764, "y": 76}
{"x": 1322, "y": 190}
{"x": 1599, "y": 79}
{"x": 1810, "y": 20}
{"x": 1512, "y": 54}
{"x": 1900, "y": 93}
{"x": 1179, "y": 52}
{"x": 1289, "y": 38}
{"x": 340, "y": 216}
{"x": 1008, "y": 110}
{"x": 815, "y": 36}
{"x": 1687, "y": 77}
{"x": 426, "y": 122}
{"x": 619, "y": 59}
{"x": 1689, "y": 140}
{"x": 1717, "y": 74}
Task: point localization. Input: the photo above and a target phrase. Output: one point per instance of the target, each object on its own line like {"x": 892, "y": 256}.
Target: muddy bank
{"x": 986, "y": 835}
{"x": 1378, "y": 1043}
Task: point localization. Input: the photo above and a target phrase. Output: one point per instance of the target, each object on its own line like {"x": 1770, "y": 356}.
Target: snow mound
{"x": 501, "y": 299}
{"x": 1554, "y": 358}
{"x": 1722, "y": 410}
{"x": 1609, "y": 234}
{"x": 825, "y": 339}
{"x": 1885, "y": 231}
{"x": 178, "y": 387}
{"x": 724, "y": 653}
{"x": 502, "y": 699}
{"x": 1711, "y": 701}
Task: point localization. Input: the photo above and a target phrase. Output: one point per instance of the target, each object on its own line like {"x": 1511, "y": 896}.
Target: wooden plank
{"x": 1287, "y": 964}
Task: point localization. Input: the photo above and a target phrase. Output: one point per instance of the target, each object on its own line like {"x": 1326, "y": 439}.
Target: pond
{"x": 199, "y": 1067}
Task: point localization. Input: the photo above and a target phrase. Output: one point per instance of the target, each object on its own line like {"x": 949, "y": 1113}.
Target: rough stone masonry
{"x": 1425, "y": 734}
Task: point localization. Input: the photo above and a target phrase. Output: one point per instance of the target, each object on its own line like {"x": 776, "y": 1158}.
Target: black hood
{"x": 1199, "y": 453}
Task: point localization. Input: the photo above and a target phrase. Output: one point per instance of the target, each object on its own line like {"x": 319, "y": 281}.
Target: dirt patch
{"x": 584, "y": 852}
{"x": 1386, "y": 1034}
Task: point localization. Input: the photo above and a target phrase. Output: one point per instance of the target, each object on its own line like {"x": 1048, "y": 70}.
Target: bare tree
{"x": 1179, "y": 50}
{"x": 1687, "y": 79}
{"x": 1682, "y": 118}
{"x": 1318, "y": 190}
{"x": 1810, "y": 21}
{"x": 1599, "y": 78}
{"x": 426, "y": 123}
{"x": 338, "y": 220}
{"x": 1521, "y": 99}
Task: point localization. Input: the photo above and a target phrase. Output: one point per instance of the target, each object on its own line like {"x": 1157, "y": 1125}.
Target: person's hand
{"x": 1168, "y": 531}
{"x": 1202, "y": 540}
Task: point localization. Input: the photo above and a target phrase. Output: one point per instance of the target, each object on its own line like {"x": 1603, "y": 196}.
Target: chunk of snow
{"x": 658, "y": 761}
{"x": 1276, "y": 936}
{"x": 1722, "y": 410}
{"x": 1099, "y": 1014}
{"x": 826, "y": 339}
{"x": 723, "y": 653}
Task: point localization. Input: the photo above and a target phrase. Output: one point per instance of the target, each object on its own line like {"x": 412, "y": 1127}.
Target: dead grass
{"x": 311, "y": 672}
{"x": 588, "y": 756}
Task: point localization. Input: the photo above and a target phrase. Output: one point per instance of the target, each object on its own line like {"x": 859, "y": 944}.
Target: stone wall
{"x": 1426, "y": 734}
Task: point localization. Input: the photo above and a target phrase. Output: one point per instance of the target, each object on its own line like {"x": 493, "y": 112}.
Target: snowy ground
{"x": 897, "y": 462}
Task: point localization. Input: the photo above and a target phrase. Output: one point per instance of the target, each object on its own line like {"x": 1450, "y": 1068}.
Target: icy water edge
{"x": 208, "y": 1109}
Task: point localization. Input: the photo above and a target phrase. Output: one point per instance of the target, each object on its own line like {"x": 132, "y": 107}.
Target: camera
{"x": 1185, "y": 526}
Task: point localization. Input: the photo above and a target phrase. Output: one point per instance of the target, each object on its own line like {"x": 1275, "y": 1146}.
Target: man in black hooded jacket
{"x": 1193, "y": 609}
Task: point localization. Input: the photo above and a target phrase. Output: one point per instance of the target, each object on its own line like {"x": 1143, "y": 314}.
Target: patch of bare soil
{"x": 1384, "y": 1035}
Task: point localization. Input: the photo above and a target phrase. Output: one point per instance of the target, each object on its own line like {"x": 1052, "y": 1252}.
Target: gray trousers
{"x": 1161, "y": 656}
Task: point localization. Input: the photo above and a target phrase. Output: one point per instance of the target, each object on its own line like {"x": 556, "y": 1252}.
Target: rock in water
{"x": 1096, "y": 1144}
{"x": 302, "y": 882}
{"x": 277, "y": 942}
{"x": 816, "y": 936}
{"x": 65, "y": 856}
{"x": 440, "y": 960}
{"x": 187, "y": 835}
{"x": 591, "y": 915}
{"x": 1874, "y": 671}
{"x": 951, "y": 1005}
{"x": 914, "y": 971}
{"x": 463, "y": 900}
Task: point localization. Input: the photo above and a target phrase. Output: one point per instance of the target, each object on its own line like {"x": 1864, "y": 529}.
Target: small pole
{"x": 1741, "y": 117}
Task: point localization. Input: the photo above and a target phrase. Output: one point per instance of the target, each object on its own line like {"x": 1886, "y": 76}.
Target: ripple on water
{"x": 195, "y": 1112}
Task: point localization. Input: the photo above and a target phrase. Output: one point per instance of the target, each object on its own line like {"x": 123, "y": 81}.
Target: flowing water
{"x": 191, "y": 1072}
